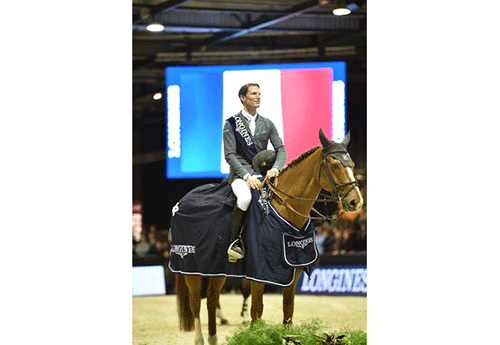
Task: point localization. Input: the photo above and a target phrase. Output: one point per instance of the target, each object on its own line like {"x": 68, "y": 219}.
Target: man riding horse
{"x": 245, "y": 135}
{"x": 202, "y": 223}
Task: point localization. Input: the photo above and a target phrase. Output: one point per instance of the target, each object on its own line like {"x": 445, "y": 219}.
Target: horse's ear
{"x": 324, "y": 140}
{"x": 346, "y": 139}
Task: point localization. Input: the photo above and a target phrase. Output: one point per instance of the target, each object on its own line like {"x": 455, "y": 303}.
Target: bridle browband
{"x": 336, "y": 196}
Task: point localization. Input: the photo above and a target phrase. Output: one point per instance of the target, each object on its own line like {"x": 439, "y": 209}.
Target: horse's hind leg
{"x": 194, "y": 286}
{"x": 220, "y": 316}
{"x": 213, "y": 293}
{"x": 289, "y": 298}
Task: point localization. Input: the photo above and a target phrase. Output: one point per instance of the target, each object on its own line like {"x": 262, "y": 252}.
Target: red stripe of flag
{"x": 306, "y": 97}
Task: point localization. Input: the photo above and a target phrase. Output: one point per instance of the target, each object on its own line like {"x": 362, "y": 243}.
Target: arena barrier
{"x": 331, "y": 275}
{"x": 336, "y": 275}
{"x": 151, "y": 276}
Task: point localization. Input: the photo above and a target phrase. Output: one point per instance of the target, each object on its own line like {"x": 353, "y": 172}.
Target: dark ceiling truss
{"x": 225, "y": 26}
{"x": 150, "y": 11}
{"x": 240, "y": 32}
{"x": 199, "y": 22}
{"x": 231, "y": 24}
{"x": 263, "y": 23}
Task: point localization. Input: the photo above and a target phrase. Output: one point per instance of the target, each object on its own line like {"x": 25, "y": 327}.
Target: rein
{"x": 336, "y": 197}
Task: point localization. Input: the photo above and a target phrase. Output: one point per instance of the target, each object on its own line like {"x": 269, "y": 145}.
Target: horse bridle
{"x": 336, "y": 196}
{"x": 335, "y": 186}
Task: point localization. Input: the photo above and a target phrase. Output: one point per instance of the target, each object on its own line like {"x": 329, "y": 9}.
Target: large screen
{"x": 299, "y": 98}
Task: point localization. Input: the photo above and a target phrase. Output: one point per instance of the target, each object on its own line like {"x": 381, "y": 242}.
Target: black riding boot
{"x": 235, "y": 250}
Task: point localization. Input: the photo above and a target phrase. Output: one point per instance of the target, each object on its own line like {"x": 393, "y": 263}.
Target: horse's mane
{"x": 300, "y": 158}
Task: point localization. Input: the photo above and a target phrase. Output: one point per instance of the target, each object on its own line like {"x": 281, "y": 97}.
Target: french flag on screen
{"x": 298, "y": 101}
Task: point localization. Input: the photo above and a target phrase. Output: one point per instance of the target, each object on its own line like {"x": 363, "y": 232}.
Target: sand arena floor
{"x": 155, "y": 319}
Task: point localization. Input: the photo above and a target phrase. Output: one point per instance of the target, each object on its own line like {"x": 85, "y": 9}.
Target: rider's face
{"x": 251, "y": 100}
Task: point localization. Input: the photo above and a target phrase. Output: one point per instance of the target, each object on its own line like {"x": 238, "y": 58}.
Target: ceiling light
{"x": 155, "y": 27}
{"x": 157, "y": 96}
{"x": 341, "y": 9}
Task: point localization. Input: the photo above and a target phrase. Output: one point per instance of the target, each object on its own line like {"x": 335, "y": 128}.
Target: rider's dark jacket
{"x": 265, "y": 131}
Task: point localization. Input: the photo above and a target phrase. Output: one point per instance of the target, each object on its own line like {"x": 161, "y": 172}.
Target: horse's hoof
{"x": 212, "y": 339}
{"x": 198, "y": 338}
{"x": 245, "y": 315}
{"x": 224, "y": 322}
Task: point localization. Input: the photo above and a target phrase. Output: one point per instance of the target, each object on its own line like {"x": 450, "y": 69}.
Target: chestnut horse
{"x": 293, "y": 195}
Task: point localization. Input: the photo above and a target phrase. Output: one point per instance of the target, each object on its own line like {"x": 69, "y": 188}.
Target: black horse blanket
{"x": 200, "y": 238}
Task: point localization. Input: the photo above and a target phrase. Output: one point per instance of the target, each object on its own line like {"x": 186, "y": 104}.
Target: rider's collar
{"x": 248, "y": 116}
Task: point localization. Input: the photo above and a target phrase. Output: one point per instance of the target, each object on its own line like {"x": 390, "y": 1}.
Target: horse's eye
{"x": 335, "y": 165}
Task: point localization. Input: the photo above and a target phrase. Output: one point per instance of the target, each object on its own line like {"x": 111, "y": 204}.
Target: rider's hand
{"x": 272, "y": 173}
{"x": 253, "y": 182}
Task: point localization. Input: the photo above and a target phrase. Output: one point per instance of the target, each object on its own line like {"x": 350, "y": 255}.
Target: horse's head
{"x": 336, "y": 173}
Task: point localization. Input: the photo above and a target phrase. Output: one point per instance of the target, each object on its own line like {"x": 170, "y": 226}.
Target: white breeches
{"x": 242, "y": 192}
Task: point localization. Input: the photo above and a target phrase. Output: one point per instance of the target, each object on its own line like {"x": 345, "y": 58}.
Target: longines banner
{"x": 333, "y": 281}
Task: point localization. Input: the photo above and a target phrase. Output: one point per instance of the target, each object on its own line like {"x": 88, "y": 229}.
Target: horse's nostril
{"x": 353, "y": 203}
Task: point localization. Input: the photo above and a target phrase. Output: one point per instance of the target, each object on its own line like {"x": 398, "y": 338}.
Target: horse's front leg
{"x": 213, "y": 292}
{"x": 245, "y": 290}
{"x": 289, "y": 298}
{"x": 257, "y": 290}
{"x": 194, "y": 286}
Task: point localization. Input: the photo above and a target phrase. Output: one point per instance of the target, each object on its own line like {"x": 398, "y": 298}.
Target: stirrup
{"x": 236, "y": 252}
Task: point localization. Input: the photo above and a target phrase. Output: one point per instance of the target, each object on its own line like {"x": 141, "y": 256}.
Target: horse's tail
{"x": 186, "y": 320}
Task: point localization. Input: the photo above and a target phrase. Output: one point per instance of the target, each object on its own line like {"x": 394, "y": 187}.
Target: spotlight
{"x": 157, "y": 96}
{"x": 341, "y": 9}
{"x": 155, "y": 27}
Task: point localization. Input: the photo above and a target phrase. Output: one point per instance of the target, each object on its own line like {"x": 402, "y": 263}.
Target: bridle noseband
{"x": 335, "y": 197}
